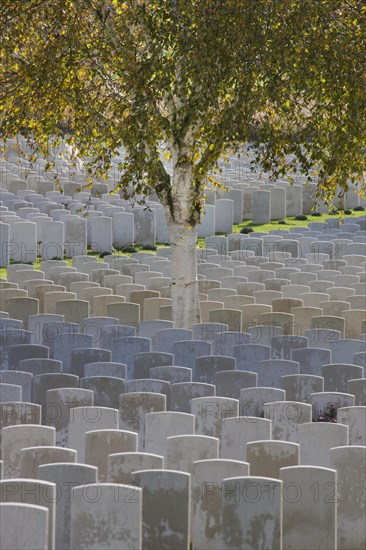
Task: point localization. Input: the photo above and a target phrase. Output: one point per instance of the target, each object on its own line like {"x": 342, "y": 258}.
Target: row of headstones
{"x": 260, "y": 334}
{"x": 239, "y": 311}
{"x": 242, "y": 167}
{"x": 111, "y": 456}
{"x": 288, "y": 359}
{"x": 349, "y": 323}
{"x": 289, "y": 200}
{"x": 35, "y": 225}
{"x": 249, "y": 201}
{"x": 119, "y": 223}
{"x": 260, "y": 343}
{"x": 218, "y": 216}
{"x": 317, "y": 238}
{"x": 307, "y": 507}
{"x": 146, "y": 226}
{"x": 54, "y": 393}
{"x": 233, "y": 171}
{"x": 127, "y": 223}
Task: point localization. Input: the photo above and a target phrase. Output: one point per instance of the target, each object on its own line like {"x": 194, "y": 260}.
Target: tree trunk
{"x": 183, "y": 242}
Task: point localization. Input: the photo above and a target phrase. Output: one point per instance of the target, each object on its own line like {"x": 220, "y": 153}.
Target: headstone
{"x": 15, "y": 438}
{"x": 251, "y": 512}
{"x": 311, "y": 360}
{"x": 225, "y": 342}
{"x": 207, "y": 480}
{"x": 236, "y": 432}
{"x": 344, "y": 350}
{"x": 266, "y": 458}
{"x": 309, "y": 507}
{"x": 164, "y": 339}
{"x": 351, "y": 508}
{"x": 261, "y": 207}
{"x": 66, "y": 476}
{"x": 52, "y": 240}
{"x": 10, "y": 392}
{"x": 32, "y": 457}
{"x": 206, "y": 367}
{"x": 133, "y": 408}
{"x": 35, "y": 517}
{"x": 25, "y": 351}
{"x": 106, "y": 389}
{"x": 358, "y": 389}
{"x": 210, "y": 413}
{"x": 31, "y": 492}
{"x": 40, "y": 366}
{"x": 322, "y": 338}
{"x": 123, "y": 229}
{"x": 122, "y": 465}
{"x": 64, "y": 344}
{"x": 145, "y": 226}
{"x": 86, "y": 419}
{"x": 298, "y": 387}
{"x": 162, "y": 527}
{"x": 161, "y": 425}
{"x": 271, "y": 371}
{"x": 355, "y": 419}
{"x": 286, "y": 416}
{"x": 171, "y": 374}
{"x": 99, "y": 444}
{"x": 317, "y": 438}
{"x": 248, "y": 356}
{"x": 183, "y": 450}
{"x": 224, "y": 216}
{"x": 252, "y": 400}
{"x": 4, "y": 244}
{"x": 144, "y": 361}
{"x": 75, "y": 236}
{"x": 182, "y": 393}
{"x": 83, "y": 356}
{"x": 206, "y": 332}
{"x": 229, "y": 383}
{"x": 186, "y": 352}
{"x": 106, "y": 516}
{"x": 123, "y": 345}
{"x": 282, "y": 346}
{"x": 23, "y": 242}
{"x": 44, "y": 382}
{"x": 13, "y": 413}
{"x": 337, "y": 375}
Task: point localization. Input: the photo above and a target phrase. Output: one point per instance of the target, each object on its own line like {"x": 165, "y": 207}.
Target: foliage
{"x": 188, "y": 79}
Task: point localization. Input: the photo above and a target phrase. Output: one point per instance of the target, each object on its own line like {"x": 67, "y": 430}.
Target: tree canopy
{"x": 202, "y": 74}
{"x": 195, "y": 78}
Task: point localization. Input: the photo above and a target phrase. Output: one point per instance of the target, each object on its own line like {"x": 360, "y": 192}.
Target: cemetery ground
{"x": 121, "y": 431}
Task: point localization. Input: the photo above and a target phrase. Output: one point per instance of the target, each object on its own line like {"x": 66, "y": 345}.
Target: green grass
{"x": 289, "y": 223}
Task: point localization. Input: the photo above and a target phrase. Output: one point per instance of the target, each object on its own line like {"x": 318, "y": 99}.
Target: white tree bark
{"x": 183, "y": 242}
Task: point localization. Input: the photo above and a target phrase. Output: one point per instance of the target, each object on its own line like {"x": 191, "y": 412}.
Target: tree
{"x": 200, "y": 77}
